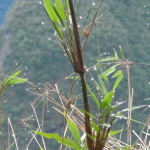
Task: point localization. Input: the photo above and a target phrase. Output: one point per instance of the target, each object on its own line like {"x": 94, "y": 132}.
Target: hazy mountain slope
{"x": 123, "y": 23}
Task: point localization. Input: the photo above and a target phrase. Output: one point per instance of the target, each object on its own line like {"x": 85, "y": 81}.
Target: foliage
{"x": 6, "y": 81}
{"x": 123, "y": 23}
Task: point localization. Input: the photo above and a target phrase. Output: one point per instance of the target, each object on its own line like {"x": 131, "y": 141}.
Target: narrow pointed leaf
{"x": 73, "y": 78}
{"x": 108, "y": 71}
{"x": 58, "y": 30}
{"x": 102, "y": 83}
{"x": 109, "y": 59}
{"x": 87, "y": 113}
{"x": 121, "y": 52}
{"x": 66, "y": 141}
{"x": 60, "y": 9}
{"x": 104, "y": 77}
{"x": 99, "y": 88}
{"x": 50, "y": 11}
{"x": 119, "y": 72}
{"x": 95, "y": 126}
{"x": 107, "y": 100}
{"x": 133, "y": 108}
{"x": 94, "y": 98}
{"x": 67, "y": 5}
{"x": 116, "y": 55}
{"x": 118, "y": 81}
{"x": 17, "y": 81}
{"x": 111, "y": 133}
{"x": 74, "y": 130}
{"x": 16, "y": 74}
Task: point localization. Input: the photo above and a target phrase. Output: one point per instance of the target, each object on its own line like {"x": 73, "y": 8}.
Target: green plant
{"x": 96, "y": 119}
{"x": 5, "y": 82}
{"x": 63, "y": 19}
{"x": 64, "y": 22}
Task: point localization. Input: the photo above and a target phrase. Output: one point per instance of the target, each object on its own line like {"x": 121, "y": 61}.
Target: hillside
{"x": 25, "y": 41}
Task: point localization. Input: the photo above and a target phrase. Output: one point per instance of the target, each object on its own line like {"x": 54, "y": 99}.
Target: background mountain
{"x": 25, "y": 41}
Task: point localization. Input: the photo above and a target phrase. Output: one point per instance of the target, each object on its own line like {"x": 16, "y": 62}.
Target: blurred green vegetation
{"x": 123, "y": 22}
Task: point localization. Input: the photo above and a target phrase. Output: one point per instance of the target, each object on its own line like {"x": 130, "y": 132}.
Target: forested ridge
{"x": 27, "y": 40}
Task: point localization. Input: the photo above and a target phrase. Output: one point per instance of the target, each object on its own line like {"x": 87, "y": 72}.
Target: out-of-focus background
{"x": 25, "y": 41}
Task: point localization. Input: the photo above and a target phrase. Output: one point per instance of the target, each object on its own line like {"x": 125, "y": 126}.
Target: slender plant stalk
{"x": 87, "y": 117}
{"x": 13, "y": 134}
{"x": 80, "y": 64}
{"x": 130, "y": 91}
{"x": 81, "y": 71}
{"x": 93, "y": 21}
{"x": 9, "y": 134}
{"x": 38, "y": 123}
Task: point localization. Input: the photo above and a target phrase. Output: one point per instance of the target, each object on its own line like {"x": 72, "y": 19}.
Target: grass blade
{"x": 60, "y": 9}
{"x": 118, "y": 81}
{"x": 107, "y": 99}
{"x": 93, "y": 97}
{"x": 74, "y": 130}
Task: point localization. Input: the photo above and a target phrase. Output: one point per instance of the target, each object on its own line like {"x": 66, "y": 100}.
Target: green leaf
{"x": 67, "y": 5}
{"x": 117, "y": 73}
{"x": 66, "y": 141}
{"x": 17, "y": 81}
{"x": 73, "y": 77}
{"x": 58, "y": 30}
{"x": 118, "y": 81}
{"x": 87, "y": 113}
{"x": 109, "y": 71}
{"x": 104, "y": 77}
{"x": 121, "y": 52}
{"x": 109, "y": 59}
{"x": 107, "y": 100}
{"x": 99, "y": 88}
{"x": 102, "y": 83}
{"x": 74, "y": 130}
{"x": 54, "y": 16}
{"x": 122, "y": 116}
{"x": 95, "y": 126}
{"x": 60, "y": 9}
{"x": 133, "y": 108}
{"x": 116, "y": 55}
{"x": 111, "y": 133}
{"x": 94, "y": 98}
{"x": 16, "y": 74}
{"x": 50, "y": 11}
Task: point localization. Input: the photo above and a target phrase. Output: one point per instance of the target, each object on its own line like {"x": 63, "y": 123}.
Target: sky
{"x": 4, "y": 7}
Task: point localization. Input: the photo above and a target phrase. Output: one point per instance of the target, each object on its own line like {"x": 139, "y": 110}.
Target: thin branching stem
{"x": 79, "y": 68}
{"x": 92, "y": 24}
{"x": 87, "y": 117}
